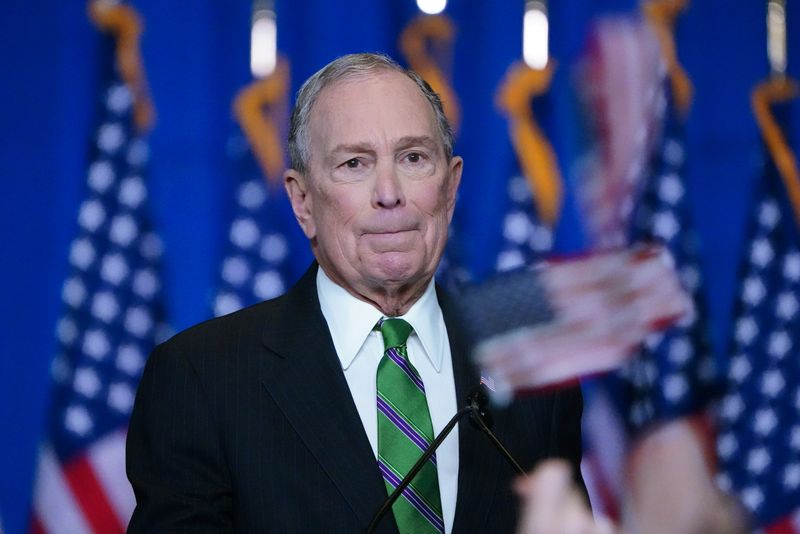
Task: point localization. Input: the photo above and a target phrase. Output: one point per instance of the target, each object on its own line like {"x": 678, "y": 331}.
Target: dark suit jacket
{"x": 246, "y": 423}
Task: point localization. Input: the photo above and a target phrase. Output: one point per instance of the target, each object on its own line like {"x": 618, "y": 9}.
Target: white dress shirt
{"x": 360, "y": 349}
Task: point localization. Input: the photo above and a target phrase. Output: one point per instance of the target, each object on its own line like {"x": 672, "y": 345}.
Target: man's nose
{"x": 388, "y": 192}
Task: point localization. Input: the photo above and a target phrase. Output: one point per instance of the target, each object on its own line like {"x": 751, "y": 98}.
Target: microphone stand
{"x": 475, "y": 408}
{"x": 477, "y": 416}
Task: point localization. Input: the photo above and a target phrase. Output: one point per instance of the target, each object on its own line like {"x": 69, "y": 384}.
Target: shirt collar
{"x": 350, "y": 320}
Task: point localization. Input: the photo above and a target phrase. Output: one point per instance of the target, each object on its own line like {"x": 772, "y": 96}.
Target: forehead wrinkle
{"x": 326, "y": 115}
{"x": 370, "y": 148}
{"x": 353, "y": 147}
{"x": 412, "y": 140}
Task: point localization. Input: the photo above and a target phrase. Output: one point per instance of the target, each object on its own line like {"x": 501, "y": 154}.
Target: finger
{"x": 548, "y": 489}
{"x": 576, "y": 516}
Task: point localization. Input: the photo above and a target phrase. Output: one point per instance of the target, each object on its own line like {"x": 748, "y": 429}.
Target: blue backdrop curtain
{"x": 196, "y": 55}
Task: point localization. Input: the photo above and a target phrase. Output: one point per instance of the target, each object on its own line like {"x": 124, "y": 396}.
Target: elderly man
{"x": 300, "y": 414}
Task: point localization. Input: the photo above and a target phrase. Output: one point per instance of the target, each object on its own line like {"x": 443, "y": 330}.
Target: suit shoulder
{"x": 242, "y": 326}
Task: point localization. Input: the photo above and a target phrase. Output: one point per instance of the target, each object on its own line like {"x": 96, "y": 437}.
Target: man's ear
{"x": 456, "y": 166}
{"x": 297, "y": 189}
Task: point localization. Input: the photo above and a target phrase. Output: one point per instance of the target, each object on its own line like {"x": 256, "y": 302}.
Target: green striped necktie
{"x": 404, "y": 431}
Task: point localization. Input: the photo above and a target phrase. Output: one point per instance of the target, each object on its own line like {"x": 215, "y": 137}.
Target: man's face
{"x": 379, "y": 193}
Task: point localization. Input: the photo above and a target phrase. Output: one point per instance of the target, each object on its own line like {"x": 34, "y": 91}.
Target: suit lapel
{"x": 304, "y": 377}
{"x": 478, "y": 462}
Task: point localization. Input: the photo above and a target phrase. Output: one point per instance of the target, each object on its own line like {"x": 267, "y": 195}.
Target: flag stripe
{"x": 601, "y": 493}
{"x": 107, "y": 459}
{"x": 789, "y": 524}
{"x": 55, "y": 507}
{"x": 90, "y": 495}
{"x": 36, "y": 526}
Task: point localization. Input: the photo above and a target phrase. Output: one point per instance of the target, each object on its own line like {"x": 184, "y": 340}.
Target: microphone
{"x": 480, "y": 417}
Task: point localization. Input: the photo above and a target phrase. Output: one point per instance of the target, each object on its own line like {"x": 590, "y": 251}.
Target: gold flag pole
{"x": 523, "y": 82}
{"x": 776, "y": 89}
{"x": 662, "y": 14}
{"x": 416, "y": 40}
{"x": 125, "y": 25}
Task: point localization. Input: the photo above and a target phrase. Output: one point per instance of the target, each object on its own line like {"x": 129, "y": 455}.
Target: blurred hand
{"x": 605, "y": 305}
{"x": 552, "y": 504}
{"x": 670, "y": 488}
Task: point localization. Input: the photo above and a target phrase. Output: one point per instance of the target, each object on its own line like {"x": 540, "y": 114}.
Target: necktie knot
{"x": 395, "y": 333}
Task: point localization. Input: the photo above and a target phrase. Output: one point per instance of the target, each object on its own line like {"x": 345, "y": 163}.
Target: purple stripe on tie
{"x": 403, "y": 364}
{"x": 412, "y": 497}
{"x": 418, "y": 440}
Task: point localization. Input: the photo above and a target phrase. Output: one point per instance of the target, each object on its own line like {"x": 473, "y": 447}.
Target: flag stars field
{"x": 145, "y": 283}
{"x": 96, "y": 344}
{"x": 732, "y": 406}
{"x": 113, "y": 269}
{"x": 274, "y": 248}
{"x": 91, "y": 215}
{"x": 791, "y": 267}
{"x": 772, "y": 383}
{"x": 675, "y": 387}
{"x": 251, "y": 195}
{"x": 791, "y": 476}
{"x": 752, "y": 497}
{"x": 82, "y": 254}
{"x": 786, "y": 306}
{"x": 746, "y": 330}
{"x": 779, "y": 344}
{"x": 111, "y": 137}
{"x": 118, "y": 99}
{"x": 794, "y": 438}
{"x": 768, "y": 215}
{"x": 77, "y": 420}
{"x": 727, "y": 445}
{"x": 130, "y": 359}
{"x": 101, "y": 176}
{"x": 765, "y": 422}
{"x": 120, "y": 397}
{"x": 132, "y": 192}
{"x": 86, "y": 382}
{"x": 665, "y": 225}
{"x": 268, "y": 284}
{"x": 235, "y": 271}
{"x": 754, "y": 291}
{"x": 670, "y": 189}
{"x": 123, "y": 230}
{"x": 758, "y": 460}
{"x": 761, "y": 253}
{"x": 105, "y": 307}
{"x": 244, "y": 233}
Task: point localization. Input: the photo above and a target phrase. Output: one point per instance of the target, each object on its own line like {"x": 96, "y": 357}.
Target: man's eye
{"x": 353, "y": 163}
{"x": 414, "y": 157}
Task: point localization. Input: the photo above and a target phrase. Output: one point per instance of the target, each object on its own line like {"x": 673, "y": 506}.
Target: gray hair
{"x": 349, "y": 67}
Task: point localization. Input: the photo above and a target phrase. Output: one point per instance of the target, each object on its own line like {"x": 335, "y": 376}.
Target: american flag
{"x": 525, "y": 238}
{"x": 256, "y": 265}
{"x": 758, "y": 442}
{"x": 112, "y": 319}
{"x": 674, "y": 374}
